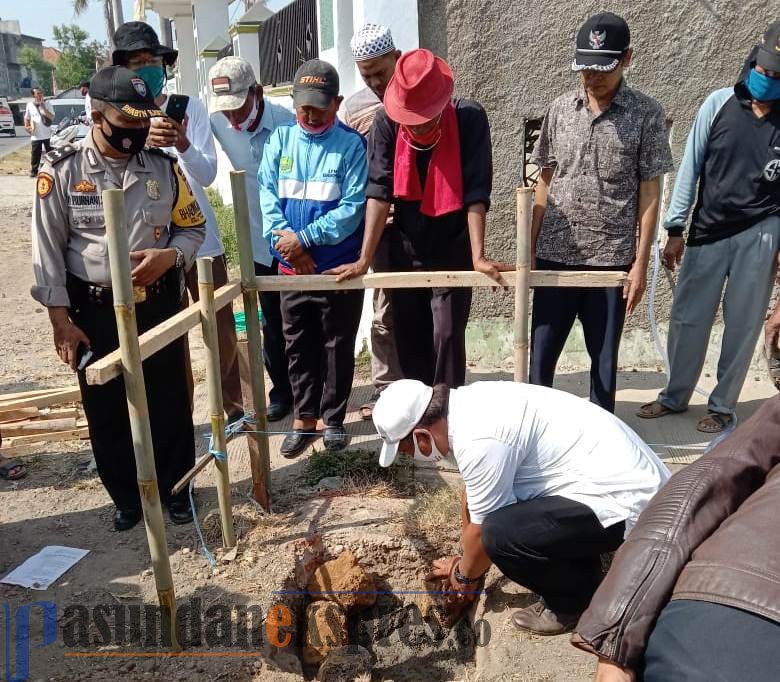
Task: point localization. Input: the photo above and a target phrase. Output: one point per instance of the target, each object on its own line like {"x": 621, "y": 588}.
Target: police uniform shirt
{"x": 68, "y": 228}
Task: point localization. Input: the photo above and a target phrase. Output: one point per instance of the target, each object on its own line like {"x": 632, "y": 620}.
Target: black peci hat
{"x": 124, "y": 90}
{"x": 138, "y": 35}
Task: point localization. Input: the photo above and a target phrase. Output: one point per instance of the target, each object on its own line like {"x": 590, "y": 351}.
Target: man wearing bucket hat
{"x": 602, "y": 150}
{"x": 431, "y": 157}
{"x": 190, "y": 140}
{"x": 72, "y": 279}
{"x": 544, "y": 496}
{"x": 730, "y": 177}
{"x": 312, "y": 195}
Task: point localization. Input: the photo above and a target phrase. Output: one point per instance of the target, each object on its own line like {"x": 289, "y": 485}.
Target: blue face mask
{"x": 154, "y": 76}
{"x": 763, "y": 88}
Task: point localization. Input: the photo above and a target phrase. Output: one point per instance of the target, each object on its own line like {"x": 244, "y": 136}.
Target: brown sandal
{"x": 654, "y": 410}
{"x": 367, "y": 408}
{"x": 720, "y": 422}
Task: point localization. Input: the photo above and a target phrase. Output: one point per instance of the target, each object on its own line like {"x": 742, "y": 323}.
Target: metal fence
{"x": 288, "y": 39}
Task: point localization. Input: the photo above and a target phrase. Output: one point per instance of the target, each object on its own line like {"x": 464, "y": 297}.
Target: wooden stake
{"x": 214, "y": 384}
{"x": 124, "y": 308}
{"x": 260, "y": 458}
{"x": 522, "y": 282}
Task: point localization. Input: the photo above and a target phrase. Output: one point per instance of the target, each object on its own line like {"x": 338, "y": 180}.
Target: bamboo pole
{"x": 524, "y": 196}
{"x": 124, "y": 308}
{"x": 259, "y": 456}
{"x": 214, "y": 384}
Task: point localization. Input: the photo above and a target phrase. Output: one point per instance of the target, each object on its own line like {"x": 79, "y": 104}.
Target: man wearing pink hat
{"x": 430, "y": 157}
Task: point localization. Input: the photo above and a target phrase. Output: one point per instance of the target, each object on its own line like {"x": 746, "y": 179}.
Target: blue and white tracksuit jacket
{"x": 315, "y": 185}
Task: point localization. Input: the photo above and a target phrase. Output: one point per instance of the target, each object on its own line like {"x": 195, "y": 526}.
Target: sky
{"x": 36, "y": 17}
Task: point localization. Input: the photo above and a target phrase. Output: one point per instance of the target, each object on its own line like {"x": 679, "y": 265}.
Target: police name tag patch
{"x": 153, "y": 189}
{"x": 285, "y": 164}
{"x": 44, "y": 185}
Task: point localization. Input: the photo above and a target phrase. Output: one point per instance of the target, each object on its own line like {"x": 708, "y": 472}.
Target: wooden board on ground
{"x": 110, "y": 366}
{"x": 17, "y": 414}
{"x": 31, "y": 426}
{"x": 55, "y": 397}
{"x": 5, "y": 397}
{"x": 74, "y": 434}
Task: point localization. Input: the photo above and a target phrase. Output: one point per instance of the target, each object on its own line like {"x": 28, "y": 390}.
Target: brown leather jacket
{"x": 712, "y": 533}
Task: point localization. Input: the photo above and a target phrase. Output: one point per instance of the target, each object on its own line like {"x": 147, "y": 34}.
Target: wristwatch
{"x": 462, "y": 579}
{"x": 179, "y": 257}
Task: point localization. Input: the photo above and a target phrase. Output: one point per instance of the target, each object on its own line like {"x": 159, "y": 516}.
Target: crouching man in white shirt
{"x": 552, "y": 482}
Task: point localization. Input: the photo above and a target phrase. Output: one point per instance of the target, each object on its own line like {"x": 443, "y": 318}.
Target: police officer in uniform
{"x": 72, "y": 279}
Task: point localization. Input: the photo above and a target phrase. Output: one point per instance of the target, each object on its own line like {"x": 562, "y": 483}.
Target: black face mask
{"x": 125, "y": 140}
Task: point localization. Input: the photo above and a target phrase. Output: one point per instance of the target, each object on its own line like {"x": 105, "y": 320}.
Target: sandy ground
{"x": 62, "y": 502}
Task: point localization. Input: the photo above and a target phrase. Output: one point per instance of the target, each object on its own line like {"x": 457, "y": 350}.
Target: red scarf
{"x": 443, "y": 192}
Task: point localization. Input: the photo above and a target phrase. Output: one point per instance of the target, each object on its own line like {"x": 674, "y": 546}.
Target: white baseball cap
{"x": 399, "y": 409}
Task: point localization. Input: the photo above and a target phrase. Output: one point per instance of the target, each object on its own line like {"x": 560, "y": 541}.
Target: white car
{"x": 6, "y": 118}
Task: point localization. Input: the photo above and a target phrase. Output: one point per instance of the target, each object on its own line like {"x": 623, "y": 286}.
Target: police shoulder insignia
{"x": 285, "y": 164}
{"x": 59, "y": 153}
{"x": 85, "y": 186}
{"x": 153, "y": 189}
{"x": 44, "y": 185}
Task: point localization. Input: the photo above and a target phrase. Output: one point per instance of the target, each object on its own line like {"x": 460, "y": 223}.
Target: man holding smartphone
{"x": 185, "y": 133}
{"x": 38, "y": 118}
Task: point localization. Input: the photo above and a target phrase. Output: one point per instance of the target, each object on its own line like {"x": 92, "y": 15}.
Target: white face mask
{"x": 251, "y": 117}
{"x": 435, "y": 455}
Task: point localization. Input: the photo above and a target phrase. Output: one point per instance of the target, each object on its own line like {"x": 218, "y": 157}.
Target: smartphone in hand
{"x": 177, "y": 107}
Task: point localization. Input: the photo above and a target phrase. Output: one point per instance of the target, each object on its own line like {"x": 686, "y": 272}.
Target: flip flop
{"x": 7, "y": 467}
{"x": 722, "y": 422}
{"x": 654, "y": 410}
{"x": 366, "y": 410}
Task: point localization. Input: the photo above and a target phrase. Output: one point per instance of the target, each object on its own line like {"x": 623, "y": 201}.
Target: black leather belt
{"x": 80, "y": 291}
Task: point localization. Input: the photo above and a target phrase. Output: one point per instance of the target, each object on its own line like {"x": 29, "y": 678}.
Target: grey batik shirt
{"x": 598, "y": 162}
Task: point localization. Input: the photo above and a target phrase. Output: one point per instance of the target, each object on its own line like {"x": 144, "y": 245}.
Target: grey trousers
{"x": 385, "y": 368}
{"x": 745, "y": 264}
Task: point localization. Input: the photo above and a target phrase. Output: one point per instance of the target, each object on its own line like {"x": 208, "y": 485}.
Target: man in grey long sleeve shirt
{"x": 733, "y": 151}
{"x": 73, "y": 280}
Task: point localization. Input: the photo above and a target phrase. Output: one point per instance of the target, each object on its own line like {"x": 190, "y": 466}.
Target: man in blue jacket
{"x": 312, "y": 195}
{"x": 733, "y": 151}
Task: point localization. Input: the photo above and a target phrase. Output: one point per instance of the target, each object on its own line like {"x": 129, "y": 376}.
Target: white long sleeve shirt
{"x": 199, "y": 164}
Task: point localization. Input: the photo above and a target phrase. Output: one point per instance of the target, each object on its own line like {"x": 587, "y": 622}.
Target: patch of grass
{"x": 435, "y": 516}
{"x": 226, "y": 223}
{"x": 363, "y": 361}
{"x": 359, "y": 468}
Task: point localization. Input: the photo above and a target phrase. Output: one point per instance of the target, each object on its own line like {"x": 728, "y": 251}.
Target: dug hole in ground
{"x": 383, "y": 528}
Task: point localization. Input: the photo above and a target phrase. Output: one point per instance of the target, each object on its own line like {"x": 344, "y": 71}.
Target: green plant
{"x": 78, "y": 59}
{"x": 41, "y": 69}
{"x": 361, "y": 465}
{"x": 225, "y": 221}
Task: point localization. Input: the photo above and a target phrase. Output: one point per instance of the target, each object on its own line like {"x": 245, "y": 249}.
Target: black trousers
{"x": 430, "y": 333}
{"x": 602, "y": 312}
{"x": 320, "y": 328}
{"x": 274, "y": 355}
{"x": 166, "y": 393}
{"x": 37, "y": 150}
{"x": 553, "y": 546}
{"x": 699, "y": 641}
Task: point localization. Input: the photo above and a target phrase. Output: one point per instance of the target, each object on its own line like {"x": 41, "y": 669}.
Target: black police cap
{"x": 124, "y": 90}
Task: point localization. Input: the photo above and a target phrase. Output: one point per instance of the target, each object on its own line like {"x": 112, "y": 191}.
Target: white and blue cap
{"x": 399, "y": 409}
{"x": 370, "y": 41}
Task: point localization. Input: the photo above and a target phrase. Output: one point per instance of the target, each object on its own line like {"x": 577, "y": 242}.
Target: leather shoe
{"x": 180, "y": 512}
{"x": 295, "y": 443}
{"x": 334, "y": 438}
{"x": 125, "y": 519}
{"x": 277, "y": 411}
{"x": 541, "y": 620}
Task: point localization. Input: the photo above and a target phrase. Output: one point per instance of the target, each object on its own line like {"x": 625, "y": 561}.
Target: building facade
{"x": 15, "y": 79}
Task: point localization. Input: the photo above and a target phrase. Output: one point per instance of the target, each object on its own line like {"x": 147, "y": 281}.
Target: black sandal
{"x": 7, "y": 467}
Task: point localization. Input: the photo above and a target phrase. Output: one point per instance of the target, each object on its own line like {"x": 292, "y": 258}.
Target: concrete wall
{"x": 514, "y": 58}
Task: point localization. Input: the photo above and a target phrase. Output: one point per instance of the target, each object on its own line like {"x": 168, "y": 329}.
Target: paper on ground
{"x": 42, "y": 569}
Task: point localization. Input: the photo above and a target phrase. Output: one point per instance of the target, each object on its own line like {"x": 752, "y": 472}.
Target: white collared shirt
{"x": 245, "y": 151}
{"x": 515, "y": 442}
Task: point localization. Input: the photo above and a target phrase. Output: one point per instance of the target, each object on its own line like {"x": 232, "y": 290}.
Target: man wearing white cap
{"x": 242, "y": 120}
{"x": 545, "y": 495}
{"x": 375, "y": 56}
